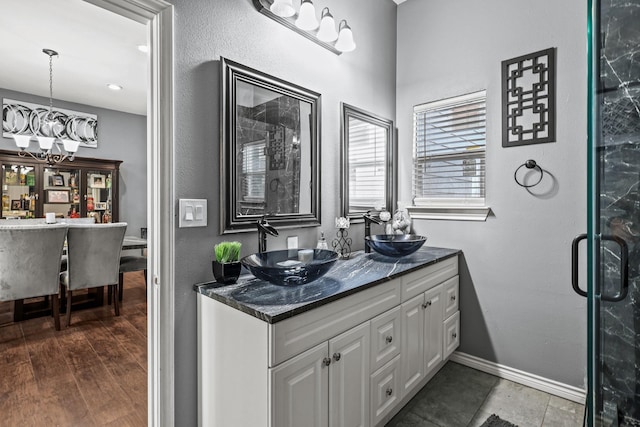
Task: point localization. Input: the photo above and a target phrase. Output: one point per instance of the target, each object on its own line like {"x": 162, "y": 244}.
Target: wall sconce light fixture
{"x": 306, "y": 23}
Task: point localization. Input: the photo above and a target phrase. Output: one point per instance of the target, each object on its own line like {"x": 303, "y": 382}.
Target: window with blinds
{"x": 449, "y": 151}
{"x": 368, "y": 162}
{"x": 253, "y": 171}
{"x": 367, "y": 165}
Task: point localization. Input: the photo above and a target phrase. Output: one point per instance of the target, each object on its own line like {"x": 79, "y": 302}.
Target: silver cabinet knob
{"x": 389, "y": 391}
{"x": 336, "y": 356}
{"x": 389, "y": 339}
{"x": 326, "y": 361}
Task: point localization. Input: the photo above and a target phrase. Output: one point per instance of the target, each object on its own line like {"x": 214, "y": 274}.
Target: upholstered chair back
{"x": 93, "y": 252}
{"x": 30, "y": 259}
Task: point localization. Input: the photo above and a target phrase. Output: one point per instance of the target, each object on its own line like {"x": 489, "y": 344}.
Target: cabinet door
{"x": 451, "y": 334}
{"x": 349, "y": 376}
{"x": 385, "y": 338}
{"x": 450, "y": 290}
{"x": 412, "y": 366}
{"x": 98, "y": 201}
{"x": 19, "y": 191}
{"x": 61, "y": 192}
{"x": 385, "y": 390}
{"x": 300, "y": 388}
{"x": 433, "y": 310}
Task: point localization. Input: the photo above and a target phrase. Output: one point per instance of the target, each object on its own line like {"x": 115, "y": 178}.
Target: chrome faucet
{"x": 368, "y": 219}
{"x": 264, "y": 228}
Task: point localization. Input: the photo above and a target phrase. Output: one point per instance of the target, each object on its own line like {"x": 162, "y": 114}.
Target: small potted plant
{"x": 226, "y": 266}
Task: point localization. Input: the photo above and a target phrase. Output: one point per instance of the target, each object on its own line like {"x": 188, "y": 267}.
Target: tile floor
{"x": 459, "y": 396}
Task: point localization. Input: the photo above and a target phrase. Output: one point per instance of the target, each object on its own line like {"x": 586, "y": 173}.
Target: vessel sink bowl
{"x": 395, "y": 245}
{"x": 288, "y": 268}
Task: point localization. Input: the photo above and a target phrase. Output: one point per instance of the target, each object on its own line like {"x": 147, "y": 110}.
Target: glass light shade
{"x": 282, "y": 8}
{"x": 307, "y": 17}
{"x": 327, "y": 31}
{"x": 22, "y": 141}
{"x": 345, "y": 41}
{"x": 46, "y": 142}
{"x": 70, "y": 146}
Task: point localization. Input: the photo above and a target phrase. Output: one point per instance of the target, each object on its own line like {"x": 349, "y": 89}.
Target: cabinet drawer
{"x": 451, "y": 334}
{"x": 385, "y": 338}
{"x": 297, "y": 334}
{"x": 424, "y": 279}
{"x": 385, "y": 390}
{"x": 451, "y": 294}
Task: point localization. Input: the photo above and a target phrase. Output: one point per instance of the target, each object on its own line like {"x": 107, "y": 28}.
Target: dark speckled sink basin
{"x": 395, "y": 245}
{"x": 286, "y": 268}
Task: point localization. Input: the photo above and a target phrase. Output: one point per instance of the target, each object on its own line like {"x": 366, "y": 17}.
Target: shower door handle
{"x": 574, "y": 264}
{"x": 624, "y": 269}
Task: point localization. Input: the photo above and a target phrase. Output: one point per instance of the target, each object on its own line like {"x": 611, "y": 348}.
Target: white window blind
{"x": 449, "y": 151}
{"x": 367, "y": 165}
{"x": 253, "y": 171}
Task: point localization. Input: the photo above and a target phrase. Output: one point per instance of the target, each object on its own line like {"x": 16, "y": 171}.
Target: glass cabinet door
{"x": 98, "y": 201}
{"x": 61, "y": 192}
{"x": 19, "y": 193}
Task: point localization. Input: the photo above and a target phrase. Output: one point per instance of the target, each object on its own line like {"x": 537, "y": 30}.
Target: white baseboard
{"x": 530, "y": 380}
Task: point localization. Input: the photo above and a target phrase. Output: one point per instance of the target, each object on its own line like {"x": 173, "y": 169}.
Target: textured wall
{"x": 517, "y": 305}
{"x": 206, "y": 30}
{"x": 121, "y": 136}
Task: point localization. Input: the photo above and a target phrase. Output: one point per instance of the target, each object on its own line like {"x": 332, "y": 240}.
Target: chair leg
{"x": 109, "y": 294}
{"x": 55, "y": 307}
{"x": 68, "y": 308}
{"x": 121, "y": 286}
{"x": 116, "y": 303}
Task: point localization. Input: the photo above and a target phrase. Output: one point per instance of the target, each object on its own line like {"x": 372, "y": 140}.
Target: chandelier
{"x": 47, "y": 129}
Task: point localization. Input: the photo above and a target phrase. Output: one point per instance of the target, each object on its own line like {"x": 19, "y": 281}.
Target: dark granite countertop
{"x": 273, "y": 303}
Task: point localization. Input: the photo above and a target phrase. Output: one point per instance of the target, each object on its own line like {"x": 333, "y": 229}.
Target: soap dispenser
{"x": 322, "y": 242}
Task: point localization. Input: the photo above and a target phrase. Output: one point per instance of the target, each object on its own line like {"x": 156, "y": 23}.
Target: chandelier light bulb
{"x": 327, "y": 31}
{"x": 345, "y": 41}
{"x": 307, "y": 17}
{"x": 283, "y": 8}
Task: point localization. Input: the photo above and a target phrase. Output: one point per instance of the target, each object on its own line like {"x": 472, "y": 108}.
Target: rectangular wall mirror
{"x": 368, "y": 162}
{"x": 270, "y": 158}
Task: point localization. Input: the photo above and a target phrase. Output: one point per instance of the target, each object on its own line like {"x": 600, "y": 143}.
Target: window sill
{"x": 452, "y": 213}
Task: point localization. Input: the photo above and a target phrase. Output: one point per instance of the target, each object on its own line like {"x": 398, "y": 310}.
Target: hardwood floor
{"x": 93, "y": 373}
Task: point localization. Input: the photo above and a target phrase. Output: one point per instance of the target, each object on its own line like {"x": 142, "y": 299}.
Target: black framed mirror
{"x": 369, "y": 156}
{"x": 270, "y": 156}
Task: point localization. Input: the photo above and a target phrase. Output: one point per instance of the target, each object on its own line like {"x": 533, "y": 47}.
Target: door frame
{"x": 158, "y": 15}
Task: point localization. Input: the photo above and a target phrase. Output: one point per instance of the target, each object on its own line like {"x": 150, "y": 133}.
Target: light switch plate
{"x": 292, "y": 242}
{"x": 193, "y": 213}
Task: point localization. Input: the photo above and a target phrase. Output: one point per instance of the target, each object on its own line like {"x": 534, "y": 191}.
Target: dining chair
{"x": 93, "y": 252}
{"x": 131, "y": 263}
{"x": 30, "y": 262}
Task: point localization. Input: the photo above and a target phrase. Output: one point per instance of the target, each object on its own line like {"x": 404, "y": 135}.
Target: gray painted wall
{"x": 206, "y": 30}
{"x": 517, "y": 305}
{"x": 121, "y": 136}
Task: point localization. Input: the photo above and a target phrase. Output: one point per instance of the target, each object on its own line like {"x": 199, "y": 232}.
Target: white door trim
{"x": 158, "y": 16}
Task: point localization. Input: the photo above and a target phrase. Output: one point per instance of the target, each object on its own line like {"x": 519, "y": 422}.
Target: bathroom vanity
{"x": 349, "y": 349}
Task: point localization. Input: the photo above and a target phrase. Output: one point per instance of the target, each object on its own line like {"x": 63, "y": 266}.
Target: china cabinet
{"x": 85, "y": 187}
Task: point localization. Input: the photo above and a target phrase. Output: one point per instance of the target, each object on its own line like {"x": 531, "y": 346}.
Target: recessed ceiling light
{"x": 114, "y": 86}
{"x": 143, "y": 48}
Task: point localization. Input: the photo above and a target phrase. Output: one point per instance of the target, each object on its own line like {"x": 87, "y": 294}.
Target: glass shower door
{"x": 614, "y": 213}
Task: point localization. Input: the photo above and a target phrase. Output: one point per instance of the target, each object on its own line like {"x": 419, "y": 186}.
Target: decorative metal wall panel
{"x": 528, "y": 99}
{"x": 25, "y": 118}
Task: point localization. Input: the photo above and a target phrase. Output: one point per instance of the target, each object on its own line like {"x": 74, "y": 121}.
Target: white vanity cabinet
{"x": 326, "y": 385}
{"x": 352, "y": 362}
